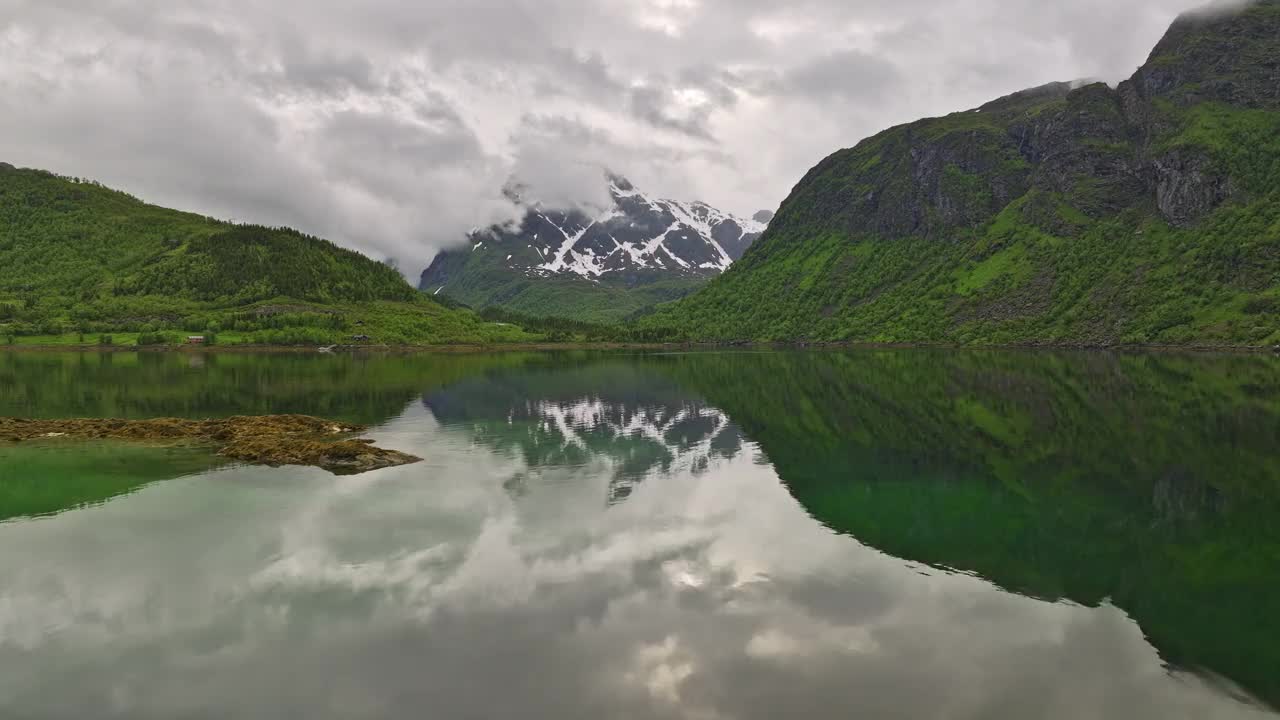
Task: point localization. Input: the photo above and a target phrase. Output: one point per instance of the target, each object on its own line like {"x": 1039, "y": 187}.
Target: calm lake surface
{"x": 878, "y": 534}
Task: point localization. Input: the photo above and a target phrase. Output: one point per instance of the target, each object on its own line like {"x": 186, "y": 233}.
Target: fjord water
{"x": 888, "y": 533}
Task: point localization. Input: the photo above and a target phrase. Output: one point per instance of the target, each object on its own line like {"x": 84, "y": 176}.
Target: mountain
{"x": 1148, "y": 213}
{"x": 589, "y": 265}
{"x": 77, "y": 256}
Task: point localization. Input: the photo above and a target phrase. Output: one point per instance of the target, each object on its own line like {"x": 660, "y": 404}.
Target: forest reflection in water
{"x": 1140, "y": 489}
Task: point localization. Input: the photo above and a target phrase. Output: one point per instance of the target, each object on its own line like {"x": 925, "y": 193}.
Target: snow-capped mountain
{"x": 640, "y": 240}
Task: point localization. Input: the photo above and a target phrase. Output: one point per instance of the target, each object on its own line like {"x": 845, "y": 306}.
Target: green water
{"x": 46, "y": 478}
{"x": 907, "y": 533}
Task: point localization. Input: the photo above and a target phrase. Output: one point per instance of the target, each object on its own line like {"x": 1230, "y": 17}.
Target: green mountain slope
{"x": 572, "y": 297}
{"x": 1149, "y": 213}
{"x": 79, "y": 257}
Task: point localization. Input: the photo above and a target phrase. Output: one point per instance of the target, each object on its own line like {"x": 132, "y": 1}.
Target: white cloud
{"x": 392, "y": 126}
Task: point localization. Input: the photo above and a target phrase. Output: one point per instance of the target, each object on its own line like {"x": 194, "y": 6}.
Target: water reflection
{"x": 623, "y": 414}
{"x": 1151, "y": 482}
{"x": 366, "y": 389}
{"x": 496, "y": 579}
{"x": 52, "y": 477}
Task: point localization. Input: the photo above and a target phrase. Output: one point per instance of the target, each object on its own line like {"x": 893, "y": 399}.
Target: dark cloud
{"x": 569, "y": 74}
{"x": 720, "y": 86}
{"x": 305, "y": 66}
{"x": 848, "y": 75}
{"x": 390, "y": 125}
{"x": 657, "y": 106}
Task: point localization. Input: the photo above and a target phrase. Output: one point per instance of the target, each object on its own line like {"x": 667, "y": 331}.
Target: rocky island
{"x": 272, "y": 440}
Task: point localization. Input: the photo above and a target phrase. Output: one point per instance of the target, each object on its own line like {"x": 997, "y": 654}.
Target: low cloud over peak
{"x": 392, "y": 127}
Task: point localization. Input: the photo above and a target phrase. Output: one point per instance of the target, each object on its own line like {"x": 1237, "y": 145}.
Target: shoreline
{"x": 620, "y": 346}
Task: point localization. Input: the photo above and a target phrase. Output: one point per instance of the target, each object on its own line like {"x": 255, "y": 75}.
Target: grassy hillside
{"x": 79, "y": 261}
{"x": 564, "y": 297}
{"x": 1149, "y": 213}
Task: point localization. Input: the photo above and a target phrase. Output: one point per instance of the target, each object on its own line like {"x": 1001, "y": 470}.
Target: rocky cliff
{"x": 593, "y": 264}
{"x": 1069, "y": 213}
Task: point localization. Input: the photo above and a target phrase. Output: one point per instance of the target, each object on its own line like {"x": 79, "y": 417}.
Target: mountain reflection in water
{"x": 624, "y": 414}
{"x": 905, "y": 533}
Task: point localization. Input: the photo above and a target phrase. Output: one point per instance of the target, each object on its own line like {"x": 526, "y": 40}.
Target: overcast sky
{"x": 392, "y": 125}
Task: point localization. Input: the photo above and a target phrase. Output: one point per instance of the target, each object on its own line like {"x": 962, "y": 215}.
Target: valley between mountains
{"x": 1069, "y": 214}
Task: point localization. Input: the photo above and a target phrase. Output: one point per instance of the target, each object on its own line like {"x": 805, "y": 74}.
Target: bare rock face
{"x": 1216, "y": 56}
{"x": 1188, "y": 186}
{"x": 272, "y": 440}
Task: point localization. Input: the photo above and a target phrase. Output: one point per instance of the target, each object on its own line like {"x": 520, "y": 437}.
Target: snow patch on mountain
{"x": 638, "y": 234}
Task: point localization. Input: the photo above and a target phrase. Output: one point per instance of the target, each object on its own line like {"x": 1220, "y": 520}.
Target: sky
{"x": 391, "y": 126}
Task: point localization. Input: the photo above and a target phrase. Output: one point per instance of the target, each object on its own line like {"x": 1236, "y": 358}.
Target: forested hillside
{"x": 1147, "y": 214}
{"x": 79, "y": 258}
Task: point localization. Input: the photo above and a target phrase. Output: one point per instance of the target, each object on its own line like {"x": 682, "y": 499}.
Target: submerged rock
{"x": 342, "y": 457}
{"x": 272, "y": 440}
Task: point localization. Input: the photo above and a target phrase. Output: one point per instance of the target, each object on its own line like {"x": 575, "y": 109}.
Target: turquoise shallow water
{"x": 911, "y": 534}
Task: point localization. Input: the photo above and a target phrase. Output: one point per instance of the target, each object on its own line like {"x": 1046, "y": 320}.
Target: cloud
{"x": 853, "y": 75}
{"x": 304, "y": 67}
{"x": 559, "y": 162}
{"x": 392, "y": 125}
{"x": 711, "y": 596}
{"x": 660, "y": 107}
